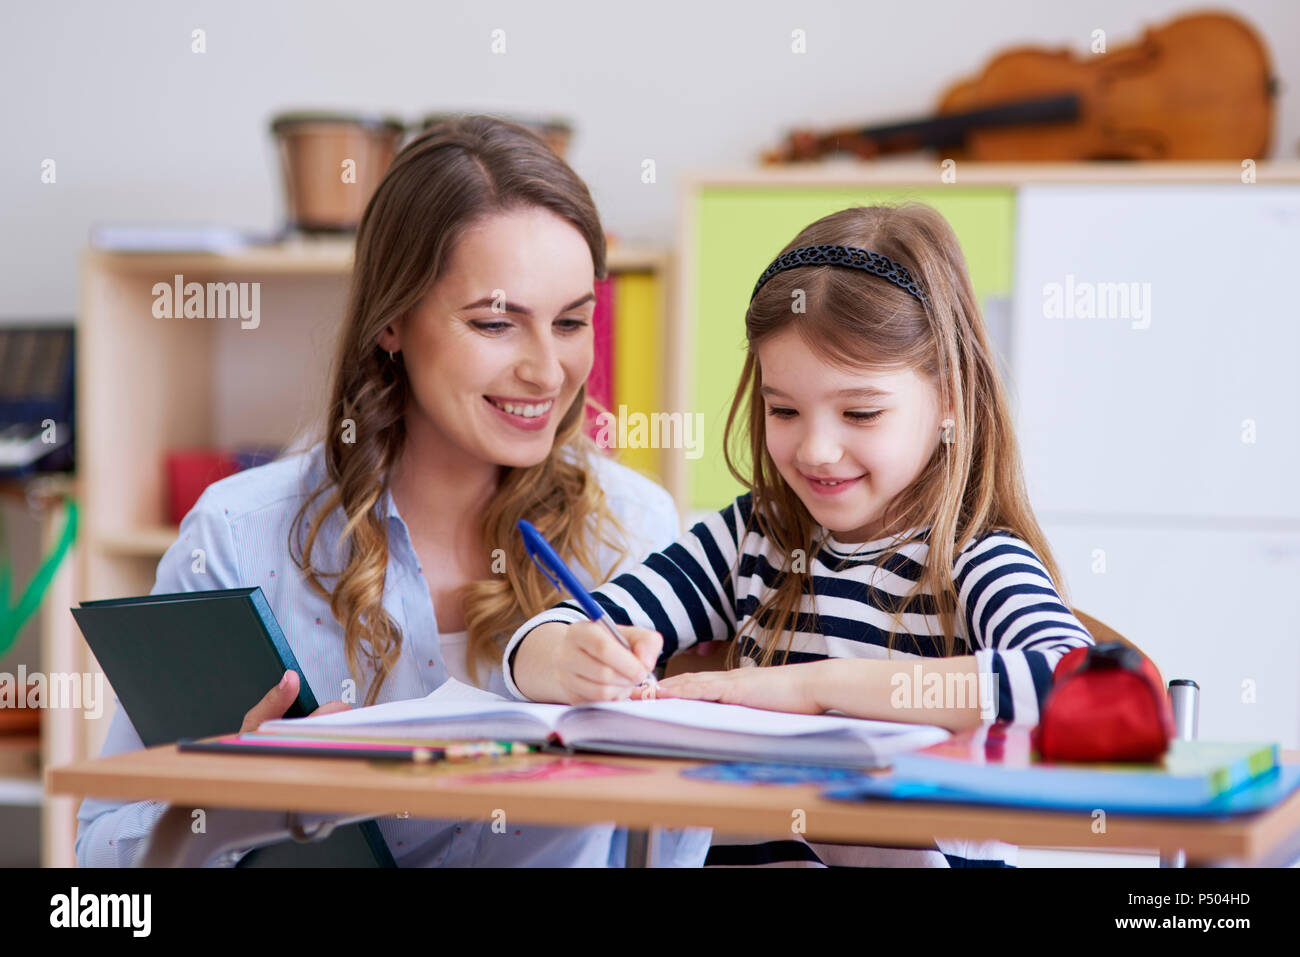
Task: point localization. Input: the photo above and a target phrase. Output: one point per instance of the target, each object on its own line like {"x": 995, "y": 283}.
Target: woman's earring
{"x": 390, "y": 356}
{"x": 946, "y": 435}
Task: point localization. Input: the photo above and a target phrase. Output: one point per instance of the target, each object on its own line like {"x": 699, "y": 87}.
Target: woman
{"x": 388, "y": 551}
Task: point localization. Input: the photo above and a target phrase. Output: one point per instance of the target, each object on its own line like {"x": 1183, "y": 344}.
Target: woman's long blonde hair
{"x": 445, "y": 180}
{"x": 856, "y": 320}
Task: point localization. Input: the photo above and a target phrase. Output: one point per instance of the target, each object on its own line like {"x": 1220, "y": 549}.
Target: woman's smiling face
{"x": 499, "y": 347}
{"x": 872, "y": 431}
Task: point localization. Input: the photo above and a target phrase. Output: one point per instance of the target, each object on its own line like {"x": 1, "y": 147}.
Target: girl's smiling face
{"x": 500, "y": 345}
{"x": 872, "y": 431}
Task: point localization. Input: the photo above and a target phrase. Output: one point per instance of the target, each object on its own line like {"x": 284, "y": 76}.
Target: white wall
{"x": 142, "y": 129}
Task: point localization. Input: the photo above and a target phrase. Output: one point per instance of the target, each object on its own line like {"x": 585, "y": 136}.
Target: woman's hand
{"x": 278, "y": 700}
{"x": 778, "y": 688}
{"x": 589, "y": 665}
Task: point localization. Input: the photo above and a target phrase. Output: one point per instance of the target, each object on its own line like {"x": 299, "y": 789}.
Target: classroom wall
{"x": 143, "y": 129}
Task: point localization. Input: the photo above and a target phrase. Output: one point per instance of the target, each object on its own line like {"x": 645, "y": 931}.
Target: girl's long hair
{"x": 441, "y": 183}
{"x": 856, "y": 320}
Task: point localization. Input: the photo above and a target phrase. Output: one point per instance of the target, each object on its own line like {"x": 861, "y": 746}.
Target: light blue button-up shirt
{"x": 237, "y": 536}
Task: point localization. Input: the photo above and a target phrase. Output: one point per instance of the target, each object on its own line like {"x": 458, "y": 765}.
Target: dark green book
{"x": 191, "y": 665}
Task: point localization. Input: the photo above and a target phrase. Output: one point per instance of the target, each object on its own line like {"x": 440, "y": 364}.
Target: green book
{"x": 1226, "y": 765}
{"x": 190, "y": 664}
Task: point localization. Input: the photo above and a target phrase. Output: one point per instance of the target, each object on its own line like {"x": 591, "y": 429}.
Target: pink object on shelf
{"x": 600, "y": 384}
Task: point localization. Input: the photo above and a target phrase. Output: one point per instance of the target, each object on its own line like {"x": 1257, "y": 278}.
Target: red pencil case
{"x": 1107, "y": 703}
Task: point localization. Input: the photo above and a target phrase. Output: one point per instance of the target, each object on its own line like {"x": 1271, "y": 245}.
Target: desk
{"x": 656, "y": 796}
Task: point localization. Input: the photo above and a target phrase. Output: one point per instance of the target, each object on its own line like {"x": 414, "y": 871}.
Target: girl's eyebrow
{"x": 524, "y": 310}
{"x": 870, "y": 391}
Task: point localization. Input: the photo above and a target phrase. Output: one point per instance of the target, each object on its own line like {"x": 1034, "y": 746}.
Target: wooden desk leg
{"x": 638, "y": 848}
{"x": 173, "y": 843}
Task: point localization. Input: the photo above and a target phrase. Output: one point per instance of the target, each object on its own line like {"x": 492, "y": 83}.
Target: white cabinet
{"x": 1155, "y": 344}
{"x": 1184, "y": 400}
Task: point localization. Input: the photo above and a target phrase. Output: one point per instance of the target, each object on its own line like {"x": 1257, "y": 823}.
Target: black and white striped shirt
{"x": 1010, "y": 617}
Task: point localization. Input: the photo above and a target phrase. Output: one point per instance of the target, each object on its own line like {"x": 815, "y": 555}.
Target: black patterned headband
{"x": 851, "y": 256}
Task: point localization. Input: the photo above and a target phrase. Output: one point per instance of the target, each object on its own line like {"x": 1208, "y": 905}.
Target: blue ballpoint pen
{"x": 553, "y": 567}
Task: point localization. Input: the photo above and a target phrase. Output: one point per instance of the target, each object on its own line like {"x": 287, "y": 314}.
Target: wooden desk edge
{"x": 322, "y": 785}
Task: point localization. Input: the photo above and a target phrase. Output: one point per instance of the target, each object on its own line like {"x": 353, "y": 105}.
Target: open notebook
{"x": 670, "y": 728}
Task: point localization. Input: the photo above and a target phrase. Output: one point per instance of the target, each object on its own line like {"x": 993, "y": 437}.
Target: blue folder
{"x": 1257, "y": 795}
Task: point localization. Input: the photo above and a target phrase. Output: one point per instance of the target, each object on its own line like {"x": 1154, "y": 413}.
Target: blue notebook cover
{"x": 1190, "y": 774}
{"x": 1257, "y": 795}
{"x": 999, "y": 763}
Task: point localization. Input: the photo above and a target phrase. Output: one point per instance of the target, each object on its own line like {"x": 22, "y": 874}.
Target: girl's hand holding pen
{"x": 590, "y": 665}
{"x": 604, "y": 654}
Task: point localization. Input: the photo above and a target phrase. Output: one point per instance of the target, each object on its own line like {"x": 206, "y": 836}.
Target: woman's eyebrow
{"x": 524, "y": 310}
{"x": 861, "y": 391}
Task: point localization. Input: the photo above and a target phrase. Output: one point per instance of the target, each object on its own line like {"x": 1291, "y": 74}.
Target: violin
{"x": 1200, "y": 87}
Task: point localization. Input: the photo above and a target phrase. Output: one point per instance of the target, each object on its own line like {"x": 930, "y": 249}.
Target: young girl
{"x": 886, "y": 536}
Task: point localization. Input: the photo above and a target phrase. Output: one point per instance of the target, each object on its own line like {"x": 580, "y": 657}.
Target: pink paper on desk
{"x": 558, "y": 770}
